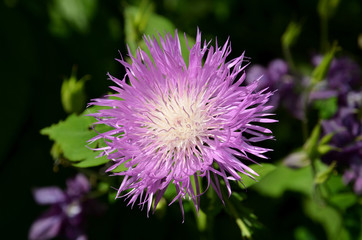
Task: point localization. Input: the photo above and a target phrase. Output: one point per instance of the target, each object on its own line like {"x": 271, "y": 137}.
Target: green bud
{"x": 321, "y": 70}
{"x": 244, "y": 229}
{"x": 73, "y": 94}
{"x": 359, "y": 41}
{"x": 323, "y": 149}
{"x": 311, "y": 145}
{"x": 291, "y": 34}
{"x": 326, "y": 139}
{"x": 161, "y": 208}
{"x": 323, "y": 175}
{"x": 327, "y": 8}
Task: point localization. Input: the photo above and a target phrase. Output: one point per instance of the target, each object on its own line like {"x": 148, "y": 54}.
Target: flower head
{"x": 172, "y": 122}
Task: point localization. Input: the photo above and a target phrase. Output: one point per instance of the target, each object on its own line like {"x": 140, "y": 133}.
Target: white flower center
{"x": 73, "y": 209}
{"x": 178, "y": 122}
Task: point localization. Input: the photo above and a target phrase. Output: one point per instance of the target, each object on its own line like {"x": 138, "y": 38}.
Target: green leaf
{"x": 328, "y": 217}
{"x": 326, "y": 107}
{"x": 343, "y": 200}
{"x": 170, "y": 192}
{"x": 335, "y": 184}
{"x": 120, "y": 168}
{"x": 71, "y": 137}
{"x": 66, "y": 15}
{"x": 302, "y": 233}
{"x": 262, "y": 170}
{"x": 322, "y": 69}
{"x": 286, "y": 179}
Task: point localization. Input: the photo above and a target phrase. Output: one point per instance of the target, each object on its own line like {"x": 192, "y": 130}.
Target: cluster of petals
{"x": 174, "y": 124}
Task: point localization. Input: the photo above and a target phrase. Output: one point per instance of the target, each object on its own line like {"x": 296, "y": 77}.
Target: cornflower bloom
{"x": 173, "y": 124}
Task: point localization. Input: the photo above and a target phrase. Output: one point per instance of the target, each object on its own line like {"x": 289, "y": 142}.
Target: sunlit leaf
{"x": 71, "y": 136}
{"x": 286, "y": 179}
{"x": 262, "y": 170}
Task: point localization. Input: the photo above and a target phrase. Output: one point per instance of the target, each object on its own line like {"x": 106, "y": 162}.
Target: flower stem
{"x": 324, "y": 34}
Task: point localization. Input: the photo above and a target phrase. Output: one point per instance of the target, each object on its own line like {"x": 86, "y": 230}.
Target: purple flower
{"x": 354, "y": 174}
{"x": 288, "y": 88}
{"x": 173, "y": 123}
{"x": 66, "y": 214}
{"x": 270, "y": 76}
{"x": 344, "y": 75}
{"x": 346, "y": 126}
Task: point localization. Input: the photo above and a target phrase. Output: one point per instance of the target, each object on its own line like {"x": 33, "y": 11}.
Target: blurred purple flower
{"x": 175, "y": 123}
{"x": 270, "y": 76}
{"x": 66, "y": 216}
{"x": 346, "y": 126}
{"x": 354, "y": 174}
{"x": 344, "y": 76}
{"x": 288, "y": 88}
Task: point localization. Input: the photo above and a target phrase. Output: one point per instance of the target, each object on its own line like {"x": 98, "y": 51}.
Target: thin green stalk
{"x": 245, "y": 233}
{"x": 289, "y": 58}
{"x": 324, "y": 34}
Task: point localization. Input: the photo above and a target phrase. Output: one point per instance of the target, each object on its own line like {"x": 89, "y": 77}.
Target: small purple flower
{"x": 66, "y": 216}
{"x": 174, "y": 123}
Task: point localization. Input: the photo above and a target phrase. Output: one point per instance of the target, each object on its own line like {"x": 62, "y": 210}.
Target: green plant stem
{"x": 305, "y": 114}
{"x": 289, "y": 58}
{"x": 324, "y": 34}
{"x": 204, "y": 224}
{"x": 245, "y": 233}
